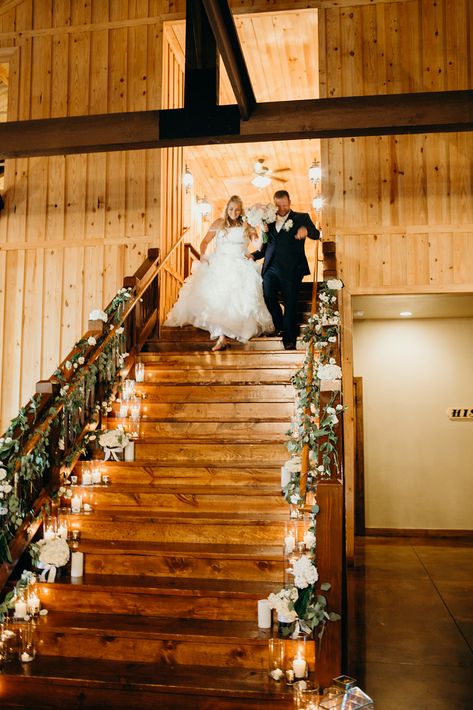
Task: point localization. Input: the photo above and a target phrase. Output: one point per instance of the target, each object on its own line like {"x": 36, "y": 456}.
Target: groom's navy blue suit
{"x": 285, "y": 265}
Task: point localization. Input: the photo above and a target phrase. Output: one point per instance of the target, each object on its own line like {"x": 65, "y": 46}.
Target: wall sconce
{"x": 187, "y": 179}
{"x": 318, "y": 203}
{"x": 203, "y": 206}
{"x": 315, "y": 172}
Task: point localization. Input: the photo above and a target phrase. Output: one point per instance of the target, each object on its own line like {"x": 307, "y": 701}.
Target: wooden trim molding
{"x": 418, "y": 532}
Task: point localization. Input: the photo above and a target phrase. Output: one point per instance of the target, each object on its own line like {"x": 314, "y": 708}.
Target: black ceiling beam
{"x": 432, "y": 112}
{"x": 201, "y": 83}
{"x": 228, "y": 43}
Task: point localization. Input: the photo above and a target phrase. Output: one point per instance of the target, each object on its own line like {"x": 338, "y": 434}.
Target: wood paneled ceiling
{"x": 281, "y": 52}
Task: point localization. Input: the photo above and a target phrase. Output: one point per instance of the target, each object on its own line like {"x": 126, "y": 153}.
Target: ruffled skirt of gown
{"x": 225, "y": 297}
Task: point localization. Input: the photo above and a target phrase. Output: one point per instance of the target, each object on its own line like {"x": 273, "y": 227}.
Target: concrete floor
{"x": 411, "y": 612}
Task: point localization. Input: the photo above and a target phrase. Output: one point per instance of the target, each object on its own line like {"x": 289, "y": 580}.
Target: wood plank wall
{"x": 73, "y": 226}
{"x": 401, "y": 206}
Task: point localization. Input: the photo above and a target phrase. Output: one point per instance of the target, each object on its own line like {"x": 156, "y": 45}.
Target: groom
{"x": 285, "y": 264}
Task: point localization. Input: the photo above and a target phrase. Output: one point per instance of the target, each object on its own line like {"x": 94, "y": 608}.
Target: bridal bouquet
{"x": 259, "y": 214}
{"x": 113, "y": 442}
{"x": 51, "y": 554}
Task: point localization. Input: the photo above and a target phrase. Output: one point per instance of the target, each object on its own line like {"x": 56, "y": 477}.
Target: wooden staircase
{"x": 179, "y": 547}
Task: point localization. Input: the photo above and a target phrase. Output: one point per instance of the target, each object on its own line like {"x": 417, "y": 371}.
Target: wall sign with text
{"x": 460, "y": 413}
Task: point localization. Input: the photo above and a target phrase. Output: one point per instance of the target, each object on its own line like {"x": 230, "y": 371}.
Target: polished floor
{"x": 411, "y": 611}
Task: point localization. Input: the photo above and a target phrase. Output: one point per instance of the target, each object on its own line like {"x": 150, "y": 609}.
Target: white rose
{"x": 81, "y": 360}
{"x": 91, "y": 340}
{"x": 7, "y": 488}
{"x": 8, "y": 440}
{"x": 3, "y": 510}
{"x": 3, "y": 474}
{"x": 68, "y": 364}
{"x": 98, "y": 315}
{"x": 334, "y": 284}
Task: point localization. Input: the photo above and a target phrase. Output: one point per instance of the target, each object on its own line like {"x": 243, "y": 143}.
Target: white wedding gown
{"x": 224, "y": 295}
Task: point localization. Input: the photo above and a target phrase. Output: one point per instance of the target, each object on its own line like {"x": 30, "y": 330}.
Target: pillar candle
{"x": 96, "y": 475}
{"x": 20, "y": 609}
{"x": 77, "y": 564}
{"x": 139, "y": 372}
{"x": 86, "y": 478}
{"x": 264, "y": 614}
{"x": 76, "y": 504}
{"x": 299, "y": 667}
{"x": 130, "y": 451}
{"x": 289, "y": 543}
{"x": 285, "y": 477}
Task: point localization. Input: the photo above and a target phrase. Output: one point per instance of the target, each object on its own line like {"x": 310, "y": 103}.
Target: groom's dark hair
{"x": 279, "y": 194}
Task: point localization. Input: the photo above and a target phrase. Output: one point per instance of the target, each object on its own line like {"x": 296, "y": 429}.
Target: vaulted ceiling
{"x": 281, "y": 53}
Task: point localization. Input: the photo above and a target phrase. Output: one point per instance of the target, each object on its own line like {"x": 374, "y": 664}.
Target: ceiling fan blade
{"x": 280, "y": 170}
{"x": 279, "y": 179}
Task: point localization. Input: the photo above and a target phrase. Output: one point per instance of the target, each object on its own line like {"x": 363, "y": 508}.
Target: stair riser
{"x": 178, "y": 477}
{"x": 244, "y": 431}
{"x": 187, "y": 651}
{"x": 230, "y": 376}
{"x": 248, "y": 454}
{"x": 217, "y": 393}
{"x": 167, "y": 345}
{"x": 214, "y": 361}
{"x": 260, "y": 570}
{"x": 211, "y": 532}
{"x": 218, "y": 411}
{"x": 107, "y": 498}
{"x": 173, "y": 606}
{"x": 24, "y": 691}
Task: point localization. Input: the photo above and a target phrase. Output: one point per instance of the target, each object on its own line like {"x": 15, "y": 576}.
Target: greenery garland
{"x": 314, "y": 425}
{"x": 22, "y": 475}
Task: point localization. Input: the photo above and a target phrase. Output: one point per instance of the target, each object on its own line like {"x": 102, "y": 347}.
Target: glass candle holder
{"x": 139, "y": 372}
{"x": 276, "y": 659}
{"x": 306, "y": 695}
{"x": 26, "y": 642}
{"x": 123, "y": 410}
{"x": 128, "y": 389}
{"x": 135, "y": 409}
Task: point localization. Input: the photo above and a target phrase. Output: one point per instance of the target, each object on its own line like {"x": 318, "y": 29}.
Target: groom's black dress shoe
{"x": 289, "y": 346}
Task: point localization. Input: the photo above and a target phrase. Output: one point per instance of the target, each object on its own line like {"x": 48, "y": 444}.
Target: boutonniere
{"x": 287, "y": 225}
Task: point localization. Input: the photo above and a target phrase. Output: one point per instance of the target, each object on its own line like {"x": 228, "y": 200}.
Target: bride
{"x": 224, "y": 293}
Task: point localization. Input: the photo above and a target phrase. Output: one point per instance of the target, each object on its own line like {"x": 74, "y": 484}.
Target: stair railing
{"x": 47, "y": 436}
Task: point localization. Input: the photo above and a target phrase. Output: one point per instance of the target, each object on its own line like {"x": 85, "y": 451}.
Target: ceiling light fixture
{"x": 315, "y": 172}
{"x": 260, "y": 181}
{"x": 187, "y": 179}
{"x": 204, "y": 206}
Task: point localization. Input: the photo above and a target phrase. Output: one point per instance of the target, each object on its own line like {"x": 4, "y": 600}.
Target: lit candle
{"x": 26, "y": 657}
{"x": 77, "y": 564}
{"x": 62, "y": 530}
{"x": 130, "y": 451}
{"x": 299, "y": 666}
{"x": 96, "y": 475}
{"x": 76, "y": 504}
{"x": 21, "y": 609}
{"x": 105, "y": 480}
{"x": 87, "y": 508}
{"x": 34, "y": 604}
{"x": 123, "y": 412}
{"x": 289, "y": 543}
{"x": 264, "y": 614}
{"x": 48, "y": 533}
{"x": 135, "y": 411}
{"x": 86, "y": 478}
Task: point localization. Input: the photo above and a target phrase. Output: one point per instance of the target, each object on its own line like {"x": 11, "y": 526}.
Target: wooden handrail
{"x": 190, "y": 254}
{"x": 136, "y": 316}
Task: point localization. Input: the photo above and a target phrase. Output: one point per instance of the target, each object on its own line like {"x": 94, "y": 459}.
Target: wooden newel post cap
{"x": 95, "y": 326}
{"x": 328, "y": 247}
{"x": 153, "y": 253}
{"x": 130, "y": 282}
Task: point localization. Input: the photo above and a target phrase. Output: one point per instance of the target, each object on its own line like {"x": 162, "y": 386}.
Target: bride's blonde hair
{"x": 226, "y": 219}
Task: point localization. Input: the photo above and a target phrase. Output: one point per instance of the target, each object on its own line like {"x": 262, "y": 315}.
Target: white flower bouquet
{"x": 329, "y": 372}
{"x": 259, "y": 214}
{"x": 52, "y": 553}
{"x": 113, "y": 441}
{"x": 97, "y": 314}
{"x": 283, "y": 603}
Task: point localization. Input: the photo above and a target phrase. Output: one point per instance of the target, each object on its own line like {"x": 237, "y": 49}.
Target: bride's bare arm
{"x": 209, "y": 236}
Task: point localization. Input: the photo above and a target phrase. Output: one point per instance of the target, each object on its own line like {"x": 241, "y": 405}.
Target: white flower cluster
{"x": 305, "y": 572}
{"x": 329, "y": 372}
{"x": 54, "y": 551}
{"x": 334, "y": 284}
{"x": 293, "y": 465}
{"x": 114, "y": 438}
{"x": 283, "y": 602}
{"x": 288, "y": 224}
{"x": 97, "y": 314}
{"x": 257, "y": 214}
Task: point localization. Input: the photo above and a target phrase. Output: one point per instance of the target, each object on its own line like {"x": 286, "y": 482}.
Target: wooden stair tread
{"x": 88, "y": 672}
{"x": 195, "y": 587}
{"x": 134, "y": 626}
{"x": 164, "y": 465}
{"x": 189, "y": 549}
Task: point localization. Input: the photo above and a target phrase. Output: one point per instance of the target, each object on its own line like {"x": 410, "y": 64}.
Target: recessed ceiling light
{"x": 405, "y": 314}
{"x": 358, "y": 314}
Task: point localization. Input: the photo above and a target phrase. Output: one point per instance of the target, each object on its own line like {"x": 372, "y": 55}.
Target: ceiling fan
{"x": 262, "y": 175}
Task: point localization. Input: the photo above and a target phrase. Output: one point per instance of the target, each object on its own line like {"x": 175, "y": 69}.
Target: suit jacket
{"x": 284, "y": 249}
